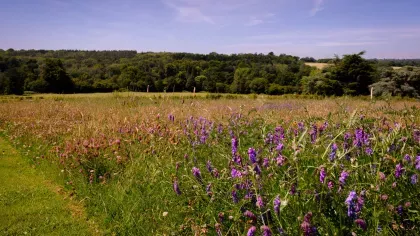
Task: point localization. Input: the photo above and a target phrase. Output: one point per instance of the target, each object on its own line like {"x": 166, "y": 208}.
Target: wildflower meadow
{"x": 227, "y": 165}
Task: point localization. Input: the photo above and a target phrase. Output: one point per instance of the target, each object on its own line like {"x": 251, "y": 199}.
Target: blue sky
{"x": 318, "y": 28}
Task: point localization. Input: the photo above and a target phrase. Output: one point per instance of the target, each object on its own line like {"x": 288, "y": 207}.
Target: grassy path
{"x": 30, "y": 205}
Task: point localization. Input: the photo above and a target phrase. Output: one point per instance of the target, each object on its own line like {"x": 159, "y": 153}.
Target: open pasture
{"x": 162, "y": 164}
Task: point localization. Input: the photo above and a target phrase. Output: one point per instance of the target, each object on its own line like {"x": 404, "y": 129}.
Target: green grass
{"x": 29, "y": 205}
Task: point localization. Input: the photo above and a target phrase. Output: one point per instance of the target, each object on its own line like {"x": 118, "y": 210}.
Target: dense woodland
{"x": 74, "y": 71}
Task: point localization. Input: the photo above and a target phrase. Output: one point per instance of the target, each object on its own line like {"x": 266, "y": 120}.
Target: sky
{"x": 314, "y": 28}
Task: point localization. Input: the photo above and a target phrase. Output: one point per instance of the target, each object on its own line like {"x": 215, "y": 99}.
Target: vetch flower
{"x": 218, "y": 228}
{"x": 399, "y": 170}
{"x": 266, "y": 162}
{"x": 407, "y": 158}
{"x": 343, "y": 177}
{"x": 382, "y": 176}
{"x": 235, "y": 197}
{"x": 280, "y": 160}
{"x": 280, "y": 147}
{"x": 322, "y": 175}
{"x": 176, "y": 187}
{"x": 252, "y": 155}
{"x": 209, "y": 166}
{"x": 400, "y": 210}
{"x": 330, "y": 185}
{"x": 276, "y": 205}
{"x": 259, "y": 203}
{"x": 293, "y": 189}
{"x": 208, "y": 190}
{"x": 196, "y": 172}
{"x": 351, "y": 206}
{"x": 417, "y": 163}
{"x": 234, "y": 146}
{"x": 248, "y": 214}
{"x": 414, "y": 179}
{"x": 333, "y": 153}
{"x": 252, "y": 231}
{"x": 257, "y": 169}
{"x": 266, "y": 231}
{"x": 235, "y": 173}
{"x": 306, "y": 226}
{"x": 361, "y": 223}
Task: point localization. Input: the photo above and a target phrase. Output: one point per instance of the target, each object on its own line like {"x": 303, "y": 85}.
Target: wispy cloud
{"x": 256, "y": 20}
{"x": 209, "y": 11}
{"x": 192, "y": 14}
{"x": 317, "y": 7}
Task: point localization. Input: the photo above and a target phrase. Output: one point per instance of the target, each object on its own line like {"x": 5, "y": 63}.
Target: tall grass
{"x": 122, "y": 154}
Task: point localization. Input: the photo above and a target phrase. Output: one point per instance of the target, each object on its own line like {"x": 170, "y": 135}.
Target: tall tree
{"x": 56, "y": 77}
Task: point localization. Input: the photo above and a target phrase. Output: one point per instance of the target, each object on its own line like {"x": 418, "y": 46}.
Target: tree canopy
{"x": 73, "y": 71}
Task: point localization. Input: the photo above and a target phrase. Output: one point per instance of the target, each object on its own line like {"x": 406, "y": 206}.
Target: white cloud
{"x": 318, "y": 6}
{"x": 192, "y": 14}
{"x": 209, "y": 11}
{"x": 256, "y": 20}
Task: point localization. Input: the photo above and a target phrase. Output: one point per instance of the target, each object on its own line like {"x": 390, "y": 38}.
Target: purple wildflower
{"x": 257, "y": 169}
{"x": 333, "y": 153}
{"x": 360, "y": 201}
{"x": 235, "y": 173}
{"x": 347, "y": 137}
{"x": 259, "y": 203}
{"x": 322, "y": 175}
{"x": 280, "y": 160}
{"x": 417, "y": 162}
{"x": 220, "y": 128}
{"x": 280, "y": 147}
{"x": 407, "y": 158}
{"x": 301, "y": 126}
{"x": 215, "y": 173}
{"x": 306, "y": 226}
{"x": 330, "y": 185}
{"x": 266, "y": 231}
{"x": 293, "y": 190}
{"x": 252, "y": 231}
{"x": 276, "y": 204}
{"x": 343, "y": 177}
{"x": 279, "y": 133}
{"x": 250, "y": 215}
{"x": 351, "y": 207}
{"x": 323, "y": 127}
{"x": 358, "y": 141}
{"x": 361, "y": 223}
{"x": 382, "y": 176}
{"x": 369, "y": 151}
{"x": 252, "y": 155}
{"x": 196, "y": 172}
{"x": 218, "y": 229}
{"x": 313, "y": 132}
{"x": 400, "y": 210}
{"x": 208, "y": 190}
{"x": 221, "y": 217}
{"x": 414, "y": 179}
{"x": 235, "y": 197}
{"x": 399, "y": 170}
{"x": 234, "y": 146}
{"x": 416, "y": 135}
{"x": 266, "y": 162}
{"x": 176, "y": 187}
{"x": 209, "y": 167}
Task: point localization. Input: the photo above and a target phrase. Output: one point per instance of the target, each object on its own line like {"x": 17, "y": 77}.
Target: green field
{"x": 208, "y": 164}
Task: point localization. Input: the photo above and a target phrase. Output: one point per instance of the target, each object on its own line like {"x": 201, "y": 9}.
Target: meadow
{"x": 209, "y": 164}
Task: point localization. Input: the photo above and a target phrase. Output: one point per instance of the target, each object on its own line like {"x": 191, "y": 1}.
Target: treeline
{"x": 74, "y": 71}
